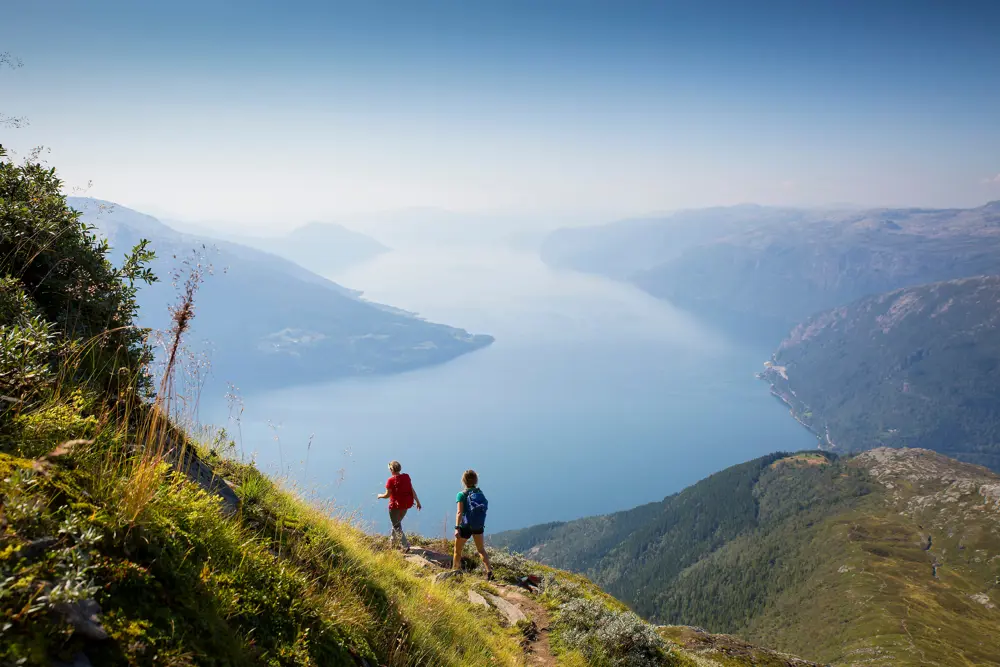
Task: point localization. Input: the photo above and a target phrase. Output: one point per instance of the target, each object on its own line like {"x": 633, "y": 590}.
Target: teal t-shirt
{"x": 460, "y": 498}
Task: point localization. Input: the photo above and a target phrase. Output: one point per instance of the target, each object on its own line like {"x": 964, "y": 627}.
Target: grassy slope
{"x": 179, "y": 582}
{"x": 841, "y": 576}
{"x": 281, "y": 583}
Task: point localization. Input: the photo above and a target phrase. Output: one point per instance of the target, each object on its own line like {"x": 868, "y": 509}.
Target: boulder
{"x": 439, "y": 559}
{"x": 477, "y": 599}
{"x": 510, "y": 611}
{"x": 419, "y": 561}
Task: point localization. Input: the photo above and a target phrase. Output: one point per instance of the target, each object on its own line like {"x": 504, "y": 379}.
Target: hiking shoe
{"x": 489, "y": 576}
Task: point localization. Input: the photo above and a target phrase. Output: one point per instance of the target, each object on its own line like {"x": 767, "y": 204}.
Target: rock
{"x": 36, "y": 548}
{"x": 511, "y": 612}
{"x": 477, "y": 599}
{"x": 983, "y": 599}
{"x": 446, "y": 575}
{"x": 185, "y": 459}
{"x": 82, "y": 616}
{"x": 79, "y": 660}
{"x": 419, "y": 561}
{"x": 531, "y": 583}
{"x": 439, "y": 559}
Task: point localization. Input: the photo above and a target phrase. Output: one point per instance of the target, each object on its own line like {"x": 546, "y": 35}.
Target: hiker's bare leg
{"x": 481, "y": 548}
{"x": 456, "y": 561}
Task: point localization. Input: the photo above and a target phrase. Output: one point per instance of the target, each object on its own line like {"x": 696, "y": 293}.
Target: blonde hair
{"x": 470, "y": 478}
{"x": 395, "y": 467}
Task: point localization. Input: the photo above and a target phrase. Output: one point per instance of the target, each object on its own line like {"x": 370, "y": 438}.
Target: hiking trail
{"x": 515, "y": 605}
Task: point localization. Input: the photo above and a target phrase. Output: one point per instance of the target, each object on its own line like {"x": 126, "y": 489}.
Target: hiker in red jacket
{"x": 399, "y": 491}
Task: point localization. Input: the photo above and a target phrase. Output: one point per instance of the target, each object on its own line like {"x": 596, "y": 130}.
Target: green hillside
{"x": 888, "y": 558}
{"x": 124, "y": 541}
{"x": 917, "y": 367}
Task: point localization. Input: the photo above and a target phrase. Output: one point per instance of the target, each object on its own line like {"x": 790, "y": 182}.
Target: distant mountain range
{"x": 761, "y": 270}
{"x": 917, "y": 367}
{"x": 266, "y": 322}
{"x": 891, "y": 557}
{"x": 323, "y": 248}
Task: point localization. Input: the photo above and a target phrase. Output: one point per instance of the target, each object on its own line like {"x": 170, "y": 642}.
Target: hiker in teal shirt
{"x": 470, "y": 521}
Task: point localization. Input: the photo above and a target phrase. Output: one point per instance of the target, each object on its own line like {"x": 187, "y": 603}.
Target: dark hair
{"x": 470, "y": 478}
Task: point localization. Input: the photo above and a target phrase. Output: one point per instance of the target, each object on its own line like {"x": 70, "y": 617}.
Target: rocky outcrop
{"x": 932, "y": 480}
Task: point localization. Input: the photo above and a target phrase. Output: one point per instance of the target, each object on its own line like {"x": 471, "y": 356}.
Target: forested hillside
{"x": 890, "y": 557}
{"x": 917, "y": 367}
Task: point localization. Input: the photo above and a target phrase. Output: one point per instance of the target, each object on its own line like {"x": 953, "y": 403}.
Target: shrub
{"x": 509, "y": 566}
{"x": 57, "y": 279}
{"x": 608, "y": 637}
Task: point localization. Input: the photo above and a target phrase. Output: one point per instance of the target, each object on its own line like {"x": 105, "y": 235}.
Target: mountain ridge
{"x": 890, "y": 555}
{"x": 760, "y": 271}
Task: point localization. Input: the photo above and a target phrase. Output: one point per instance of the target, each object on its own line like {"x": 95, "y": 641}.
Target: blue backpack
{"x": 475, "y": 509}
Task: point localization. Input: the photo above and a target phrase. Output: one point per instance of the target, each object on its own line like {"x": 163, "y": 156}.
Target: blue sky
{"x": 282, "y": 112}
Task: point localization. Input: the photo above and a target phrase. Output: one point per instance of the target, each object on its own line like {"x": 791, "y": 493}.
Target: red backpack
{"x": 401, "y": 491}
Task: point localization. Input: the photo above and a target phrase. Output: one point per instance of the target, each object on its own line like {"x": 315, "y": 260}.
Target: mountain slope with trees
{"x": 916, "y": 367}
{"x": 889, "y": 557}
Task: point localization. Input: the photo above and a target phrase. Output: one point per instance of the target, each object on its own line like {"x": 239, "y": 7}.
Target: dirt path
{"x": 537, "y": 648}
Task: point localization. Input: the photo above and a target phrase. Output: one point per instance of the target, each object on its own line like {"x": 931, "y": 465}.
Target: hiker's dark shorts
{"x": 465, "y": 532}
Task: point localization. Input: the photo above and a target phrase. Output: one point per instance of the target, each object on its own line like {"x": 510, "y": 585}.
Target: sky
{"x": 272, "y": 114}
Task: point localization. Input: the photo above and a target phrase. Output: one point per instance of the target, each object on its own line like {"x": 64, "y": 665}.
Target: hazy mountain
{"x": 916, "y": 367}
{"x": 890, "y": 557}
{"x": 761, "y": 270}
{"x": 321, "y": 247}
{"x": 265, "y": 321}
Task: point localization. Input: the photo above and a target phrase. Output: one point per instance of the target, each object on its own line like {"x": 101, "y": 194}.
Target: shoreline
{"x": 773, "y": 375}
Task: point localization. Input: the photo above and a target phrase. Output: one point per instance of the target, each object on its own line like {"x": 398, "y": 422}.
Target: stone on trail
{"x": 439, "y": 559}
{"x": 511, "y": 612}
{"x": 419, "y": 561}
{"x": 477, "y": 599}
{"x": 446, "y": 575}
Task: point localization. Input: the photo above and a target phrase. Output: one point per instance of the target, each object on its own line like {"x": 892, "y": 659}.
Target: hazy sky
{"x": 291, "y": 111}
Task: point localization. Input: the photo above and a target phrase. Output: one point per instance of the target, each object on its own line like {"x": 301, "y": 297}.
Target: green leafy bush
{"x": 57, "y": 281}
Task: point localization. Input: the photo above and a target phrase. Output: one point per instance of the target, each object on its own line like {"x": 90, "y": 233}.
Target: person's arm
{"x": 415, "y": 499}
{"x": 383, "y": 495}
{"x": 458, "y": 517}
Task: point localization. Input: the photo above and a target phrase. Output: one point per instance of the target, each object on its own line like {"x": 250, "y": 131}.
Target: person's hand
{"x": 458, "y": 533}
{"x": 419, "y": 507}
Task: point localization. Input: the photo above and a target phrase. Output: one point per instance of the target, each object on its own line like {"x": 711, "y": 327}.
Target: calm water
{"x": 594, "y": 398}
